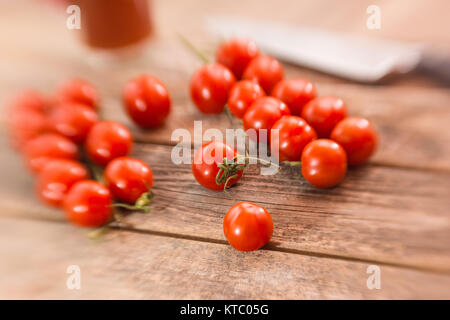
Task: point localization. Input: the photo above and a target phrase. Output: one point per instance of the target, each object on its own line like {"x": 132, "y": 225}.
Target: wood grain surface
{"x": 393, "y": 212}
{"x": 145, "y": 266}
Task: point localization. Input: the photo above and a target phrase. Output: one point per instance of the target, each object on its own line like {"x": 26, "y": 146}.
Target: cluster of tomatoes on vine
{"x": 81, "y": 162}
{"x": 314, "y": 132}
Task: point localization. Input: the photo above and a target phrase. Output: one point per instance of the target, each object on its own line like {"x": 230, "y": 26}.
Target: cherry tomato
{"x": 79, "y": 91}
{"x": 73, "y": 120}
{"x": 324, "y": 163}
{"x": 236, "y": 54}
{"x": 205, "y": 167}
{"x": 263, "y": 114}
{"x": 57, "y": 177}
{"x": 294, "y": 134}
{"x": 29, "y": 99}
{"x": 264, "y": 70}
{"x": 88, "y": 204}
{"x": 295, "y": 93}
{"x": 108, "y": 140}
{"x": 247, "y": 226}
{"x": 25, "y": 124}
{"x": 128, "y": 178}
{"x": 358, "y": 138}
{"x": 242, "y": 95}
{"x": 210, "y": 86}
{"x": 26, "y": 117}
{"x": 40, "y": 150}
{"x": 324, "y": 113}
{"x": 147, "y": 101}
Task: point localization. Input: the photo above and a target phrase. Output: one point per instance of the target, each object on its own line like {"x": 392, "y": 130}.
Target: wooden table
{"x": 393, "y": 212}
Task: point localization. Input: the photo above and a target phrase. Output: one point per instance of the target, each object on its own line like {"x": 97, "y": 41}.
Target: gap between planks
{"x": 28, "y": 209}
{"x": 120, "y": 226}
{"x": 273, "y": 247}
{"x": 131, "y": 265}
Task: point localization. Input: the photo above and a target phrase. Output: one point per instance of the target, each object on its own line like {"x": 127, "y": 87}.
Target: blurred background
{"x": 39, "y": 26}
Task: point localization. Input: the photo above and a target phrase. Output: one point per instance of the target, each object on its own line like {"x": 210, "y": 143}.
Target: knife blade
{"x": 357, "y": 58}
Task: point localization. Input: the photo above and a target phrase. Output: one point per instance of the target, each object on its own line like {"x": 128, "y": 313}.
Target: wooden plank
{"x": 142, "y": 266}
{"x": 388, "y": 215}
{"x": 17, "y": 189}
{"x": 379, "y": 213}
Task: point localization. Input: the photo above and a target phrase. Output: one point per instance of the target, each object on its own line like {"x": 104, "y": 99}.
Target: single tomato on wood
{"x": 247, "y": 226}
{"x": 147, "y": 101}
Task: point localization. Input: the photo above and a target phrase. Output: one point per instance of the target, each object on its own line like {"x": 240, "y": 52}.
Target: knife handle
{"x": 436, "y": 66}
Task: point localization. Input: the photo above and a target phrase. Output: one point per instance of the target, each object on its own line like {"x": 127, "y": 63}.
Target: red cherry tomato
{"x": 242, "y": 95}
{"x": 108, "y": 140}
{"x": 26, "y": 117}
{"x": 324, "y": 163}
{"x": 324, "y": 113}
{"x": 29, "y": 99}
{"x": 73, "y": 120}
{"x": 205, "y": 167}
{"x": 294, "y": 134}
{"x": 79, "y": 91}
{"x": 263, "y": 114}
{"x": 147, "y": 101}
{"x": 56, "y": 179}
{"x": 358, "y": 138}
{"x": 247, "y": 226}
{"x": 236, "y": 54}
{"x": 25, "y": 124}
{"x": 264, "y": 70}
{"x": 88, "y": 204}
{"x": 128, "y": 178}
{"x": 295, "y": 93}
{"x": 210, "y": 86}
{"x": 40, "y": 150}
